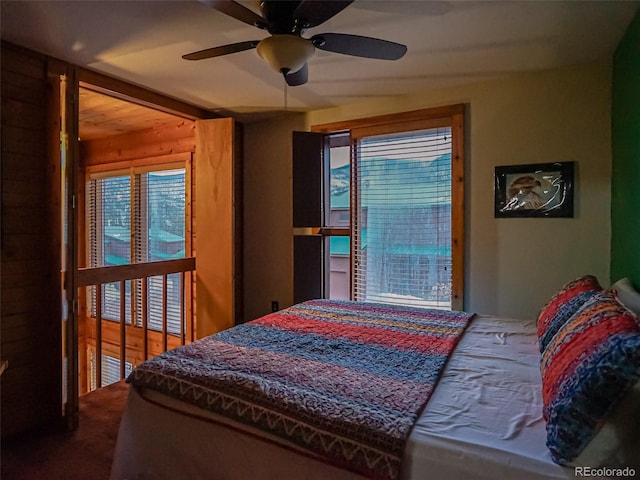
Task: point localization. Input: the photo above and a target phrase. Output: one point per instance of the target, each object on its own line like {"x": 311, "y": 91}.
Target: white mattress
{"x": 484, "y": 421}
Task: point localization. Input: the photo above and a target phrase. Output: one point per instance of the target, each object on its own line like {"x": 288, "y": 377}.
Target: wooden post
{"x": 145, "y": 320}
{"x": 183, "y": 313}
{"x": 123, "y": 324}
{"x": 98, "y": 356}
{"x": 164, "y": 313}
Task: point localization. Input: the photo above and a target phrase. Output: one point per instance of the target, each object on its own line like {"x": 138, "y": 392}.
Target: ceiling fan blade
{"x": 223, "y": 50}
{"x": 312, "y": 13}
{"x": 298, "y": 78}
{"x": 359, "y": 46}
{"x": 237, "y": 11}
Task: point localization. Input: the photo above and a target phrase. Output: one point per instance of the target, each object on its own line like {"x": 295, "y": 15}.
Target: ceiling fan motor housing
{"x": 281, "y": 18}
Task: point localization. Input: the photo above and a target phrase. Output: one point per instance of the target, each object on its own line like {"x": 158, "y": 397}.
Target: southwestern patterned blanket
{"x": 344, "y": 380}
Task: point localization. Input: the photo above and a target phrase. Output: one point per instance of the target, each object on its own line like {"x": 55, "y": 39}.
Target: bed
{"x": 482, "y": 416}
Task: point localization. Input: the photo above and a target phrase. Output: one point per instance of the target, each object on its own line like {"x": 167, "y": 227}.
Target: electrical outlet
{"x": 275, "y": 306}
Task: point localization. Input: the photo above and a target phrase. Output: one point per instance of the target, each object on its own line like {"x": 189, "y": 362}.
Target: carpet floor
{"x": 84, "y": 454}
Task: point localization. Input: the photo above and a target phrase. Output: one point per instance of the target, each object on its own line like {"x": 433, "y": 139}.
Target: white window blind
{"x": 147, "y": 207}
{"x": 109, "y": 228}
{"x": 161, "y": 236}
{"x": 401, "y": 223}
{"x": 110, "y": 369}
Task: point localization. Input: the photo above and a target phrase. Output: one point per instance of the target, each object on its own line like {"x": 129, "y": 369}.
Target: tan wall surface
{"x": 268, "y": 247}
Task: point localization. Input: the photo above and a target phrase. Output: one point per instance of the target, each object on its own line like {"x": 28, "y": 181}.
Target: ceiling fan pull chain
{"x": 285, "y": 93}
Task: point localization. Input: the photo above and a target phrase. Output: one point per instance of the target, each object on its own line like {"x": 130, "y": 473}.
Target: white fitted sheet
{"x": 484, "y": 421}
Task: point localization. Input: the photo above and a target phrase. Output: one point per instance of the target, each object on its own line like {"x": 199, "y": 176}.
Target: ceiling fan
{"x": 286, "y": 50}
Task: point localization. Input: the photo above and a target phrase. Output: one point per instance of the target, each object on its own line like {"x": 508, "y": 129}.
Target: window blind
{"x": 155, "y": 202}
{"x": 109, "y": 227}
{"x": 110, "y": 370}
{"x": 401, "y": 225}
{"x": 161, "y": 236}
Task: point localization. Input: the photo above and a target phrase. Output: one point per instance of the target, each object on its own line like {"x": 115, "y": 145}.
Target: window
{"x": 393, "y": 208}
{"x": 402, "y": 221}
{"x": 339, "y": 216}
{"x": 138, "y": 216}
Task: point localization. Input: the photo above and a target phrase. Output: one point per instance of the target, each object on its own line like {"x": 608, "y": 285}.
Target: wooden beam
{"x": 390, "y": 119}
{"x": 143, "y": 96}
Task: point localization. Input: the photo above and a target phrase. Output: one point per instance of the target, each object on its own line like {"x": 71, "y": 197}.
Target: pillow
{"x": 563, "y": 305}
{"x": 590, "y": 368}
{"x": 627, "y": 295}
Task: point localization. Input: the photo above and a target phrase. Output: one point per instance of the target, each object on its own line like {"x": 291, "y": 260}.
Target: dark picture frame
{"x": 534, "y": 190}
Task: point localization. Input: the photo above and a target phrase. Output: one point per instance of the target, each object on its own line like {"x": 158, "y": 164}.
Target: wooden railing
{"x": 121, "y": 274}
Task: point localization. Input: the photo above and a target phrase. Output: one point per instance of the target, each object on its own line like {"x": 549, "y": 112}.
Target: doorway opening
{"x": 134, "y": 248}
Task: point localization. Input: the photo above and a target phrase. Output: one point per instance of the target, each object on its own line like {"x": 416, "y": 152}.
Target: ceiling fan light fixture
{"x": 285, "y": 53}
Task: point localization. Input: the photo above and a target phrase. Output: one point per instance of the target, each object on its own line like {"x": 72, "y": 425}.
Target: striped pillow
{"x": 563, "y": 305}
{"x": 587, "y": 367}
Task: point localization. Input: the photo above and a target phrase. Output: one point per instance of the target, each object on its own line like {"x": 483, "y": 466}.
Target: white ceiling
{"x": 449, "y": 42}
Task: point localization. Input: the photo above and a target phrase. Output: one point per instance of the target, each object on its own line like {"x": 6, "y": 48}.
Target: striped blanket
{"x": 343, "y": 380}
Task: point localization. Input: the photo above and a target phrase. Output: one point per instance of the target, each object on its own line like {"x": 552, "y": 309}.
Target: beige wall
{"x": 268, "y": 243}
{"x": 512, "y": 265}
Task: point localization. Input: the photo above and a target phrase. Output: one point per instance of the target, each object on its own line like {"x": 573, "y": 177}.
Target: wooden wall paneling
{"x": 134, "y": 340}
{"x": 23, "y": 76}
{"x": 103, "y": 116}
{"x": 31, "y": 387}
{"x": 217, "y": 220}
{"x": 54, "y": 202}
{"x": 175, "y": 160}
{"x": 170, "y": 139}
{"x": 21, "y": 113}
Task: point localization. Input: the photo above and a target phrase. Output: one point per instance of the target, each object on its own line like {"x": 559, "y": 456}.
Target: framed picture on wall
{"x": 534, "y": 190}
